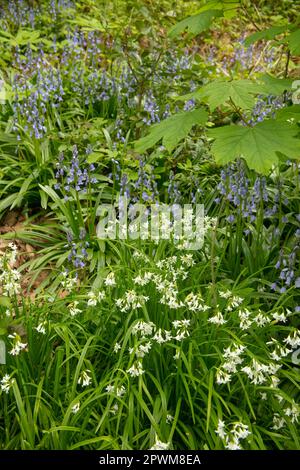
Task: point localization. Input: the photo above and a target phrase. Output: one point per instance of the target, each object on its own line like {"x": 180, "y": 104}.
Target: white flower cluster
{"x": 131, "y": 300}
{"x": 234, "y": 302}
{"x": 73, "y": 308}
{"x": 159, "y": 445}
{"x": 143, "y": 328}
{"x": 139, "y": 255}
{"x": 291, "y": 412}
{"x": 233, "y": 359}
{"x": 293, "y": 339}
{"x": 187, "y": 259}
{"x": 217, "y": 319}
{"x": 6, "y": 383}
{"x": 110, "y": 280}
{"x": 279, "y": 351}
{"x": 136, "y": 369}
{"x": 259, "y": 373}
{"x": 41, "y": 328}
{"x": 260, "y": 319}
{"x": 85, "y": 378}
{"x": 232, "y": 436}
{"x": 141, "y": 350}
{"x": 181, "y": 329}
{"x": 162, "y": 336}
{"x": 191, "y": 236}
{"x": 143, "y": 280}
{"x": 146, "y": 333}
{"x": 95, "y": 298}
{"x": 118, "y": 391}
{"x": 75, "y": 408}
{"x": 278, "y": 422}
{"x": 9, "y": 277}
{"x": 68, "y": 281}
{"x": 18, "y": 345}
{"x": 195, "y": 303}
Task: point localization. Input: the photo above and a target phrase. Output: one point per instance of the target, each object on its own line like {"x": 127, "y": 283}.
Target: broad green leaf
{"x": 275, "y": 86}
{"x": 219, "y": 92}
{"x": 229, "y": 7}
{"x": 289, "y": 113}
{"x": 294, "y": 42}
{"x": 258, "y": 145}
{"x": 267, "y": 34}
{"x": 22, "y": 38}
{"x": 195, "y": 24}
{"x": 5, "y": 301}
{"x": 95, "y": 157}
{"x": 172, "y": 130}
{"x": 88, "y": 24}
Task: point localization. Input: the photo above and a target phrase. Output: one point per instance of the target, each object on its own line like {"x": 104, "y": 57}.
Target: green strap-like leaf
{"x": 258, "y": 145}
{"x": 172, "y": 130}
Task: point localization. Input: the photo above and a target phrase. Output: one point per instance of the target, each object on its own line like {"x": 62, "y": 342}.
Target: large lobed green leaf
{"x": 241, "y": 92}
{"x": 294, "y": 42}
{"x": 172, "y": 130}
{"x": 290, "y": 113}
{"x": 220, "y": 91}
{"x": 195, "y": 24}
{"x": 274, "y": 86}
{"x": 267, "y": 34}
{"x": 259, "y": 145}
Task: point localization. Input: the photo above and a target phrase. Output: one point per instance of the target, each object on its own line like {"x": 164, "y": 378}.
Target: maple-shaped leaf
{"x": 290, "y": 113}
{"x": 268, "y": 34}
{"x": 172, "y": 130}
{"x": 260, "y": 145}
{"x": 195, "y": 24}
{"x": 218, "y": 92}
{"x": 294, "y": 42}
{"x": 229, "y": 7}
{"x": 273, "y": 85}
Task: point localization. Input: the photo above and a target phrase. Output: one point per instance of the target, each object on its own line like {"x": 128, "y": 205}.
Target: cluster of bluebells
{"x": 142, "y": 190}
{"x": 75, "y": 176}
{"x": 34, "y": 98}
{"x": 247, "y": 200}
{"x": 78, "y": 249}
{"x": 173, "y": 189}
{"x": 288, "y": 267}
{"x": 145, "y": 186}
{"x": 49, "y": 77}
{"x": 21, "y": 13}
{"x": 266, "y": 107}
{"x": 81, "y": 66}
{"x": 243, "y": 58}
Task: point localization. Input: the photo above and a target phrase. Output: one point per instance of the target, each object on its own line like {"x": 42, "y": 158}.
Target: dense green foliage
{"x": 139, "y": 344}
